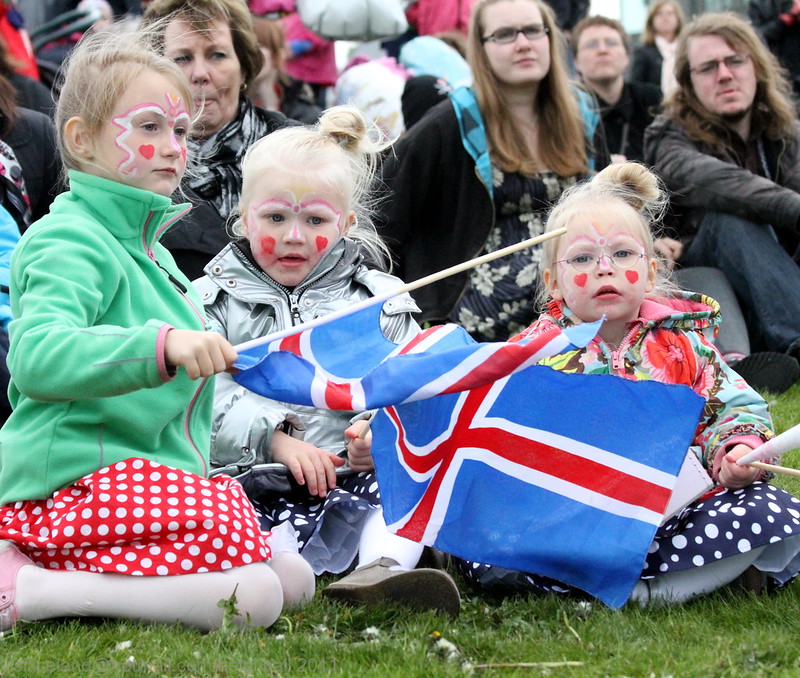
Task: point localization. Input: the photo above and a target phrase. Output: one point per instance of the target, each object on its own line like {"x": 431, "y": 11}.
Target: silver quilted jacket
{"x": 243, "y": 303}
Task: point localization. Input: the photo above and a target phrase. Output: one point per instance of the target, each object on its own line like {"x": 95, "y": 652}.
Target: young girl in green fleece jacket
{"x": 105, "y": 508}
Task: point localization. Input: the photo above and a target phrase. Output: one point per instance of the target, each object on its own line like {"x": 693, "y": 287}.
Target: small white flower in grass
{"x": 280, "y": 636}
{"x": 130, "y": 660}
{"x": 196, "y": 654}
{"x": 371, "y": 633}
{"x": 123, "y": 645}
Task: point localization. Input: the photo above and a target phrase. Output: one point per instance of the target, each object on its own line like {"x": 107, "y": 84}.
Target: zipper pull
{"x": 294, "y": 310}
{"x": 183, "y": 289}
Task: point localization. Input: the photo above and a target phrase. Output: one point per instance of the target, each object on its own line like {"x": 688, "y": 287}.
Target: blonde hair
{"x": 649, "y": 32}
{"x": 97, "y": 73}
{"x": 562, "y": 142}
{"x": 341, "y": 150}
{"x": 772, "y": 105}
{"x": 628, "y": 188}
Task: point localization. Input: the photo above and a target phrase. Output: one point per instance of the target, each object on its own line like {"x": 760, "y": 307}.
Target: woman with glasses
{"x": 479, "y": 171}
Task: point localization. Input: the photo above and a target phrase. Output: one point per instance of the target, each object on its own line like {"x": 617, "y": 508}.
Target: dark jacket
{"x": 705, "y": 179}
{"x": 439, "y": 212}
{"x": 783, "y": 40}
{"x": 625, "y": 121}
{"x": 33, "y": 139}
{"x": 646, "y": 65}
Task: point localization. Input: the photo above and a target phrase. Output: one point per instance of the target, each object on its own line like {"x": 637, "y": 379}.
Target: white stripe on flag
{"x": 535, "y": 478}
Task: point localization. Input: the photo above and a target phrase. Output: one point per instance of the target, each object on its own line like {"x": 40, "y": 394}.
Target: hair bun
{"x": 346, "y": 126}
{"x": 632, "y": 182}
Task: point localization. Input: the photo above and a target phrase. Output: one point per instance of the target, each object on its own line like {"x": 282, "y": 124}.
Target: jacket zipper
{"x": 183, "y": 292}
{"x": 616, "y": 356}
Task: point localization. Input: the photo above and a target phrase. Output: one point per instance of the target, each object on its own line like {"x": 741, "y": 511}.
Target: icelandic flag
{"x": 562, "y": 475}
{"x": 348, "y": 364}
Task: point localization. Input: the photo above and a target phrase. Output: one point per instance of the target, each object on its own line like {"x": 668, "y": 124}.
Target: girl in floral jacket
{"x": 605, "y": 267}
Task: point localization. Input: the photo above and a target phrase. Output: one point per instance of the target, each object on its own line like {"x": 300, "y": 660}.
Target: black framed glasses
{"x": 508, "y": 34}
{"x": 586, "y": 262}
{"x": 732, "y": 62}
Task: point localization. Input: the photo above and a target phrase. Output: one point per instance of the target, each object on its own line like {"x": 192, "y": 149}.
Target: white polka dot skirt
{"x": 718, "y": 526}
{"x": 723, "y": 525}
{"x": 139, "y": 517}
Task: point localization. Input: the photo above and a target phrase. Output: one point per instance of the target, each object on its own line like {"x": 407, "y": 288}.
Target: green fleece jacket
{"x": 93, "y": 295}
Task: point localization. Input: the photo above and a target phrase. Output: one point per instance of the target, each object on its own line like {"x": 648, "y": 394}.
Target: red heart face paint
{"x": 143, "y": 144}
{"x": 267, "y": 245}
{"x": 601, "y": 270}
{"x": 301, "y": 213}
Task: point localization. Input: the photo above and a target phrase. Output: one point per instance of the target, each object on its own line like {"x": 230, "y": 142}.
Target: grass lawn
{"x": 727, "y": 634}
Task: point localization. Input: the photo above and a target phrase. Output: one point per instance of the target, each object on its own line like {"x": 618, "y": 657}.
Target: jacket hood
{"x": 687, "y": 311}
{"x": 235, "y": 271}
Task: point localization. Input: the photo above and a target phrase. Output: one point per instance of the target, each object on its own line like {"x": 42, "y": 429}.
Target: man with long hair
{"x": 728, "y": 148}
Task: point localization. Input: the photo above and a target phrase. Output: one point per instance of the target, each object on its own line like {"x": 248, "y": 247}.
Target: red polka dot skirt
{"x": 139, "y": 517}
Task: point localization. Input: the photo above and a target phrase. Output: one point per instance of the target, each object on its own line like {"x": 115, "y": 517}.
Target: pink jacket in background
{"x": 433, "y": 16}
{"x": 317, "y": 66}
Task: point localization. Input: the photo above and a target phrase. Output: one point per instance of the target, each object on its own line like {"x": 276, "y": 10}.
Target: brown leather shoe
{"x": 422, "y": 589}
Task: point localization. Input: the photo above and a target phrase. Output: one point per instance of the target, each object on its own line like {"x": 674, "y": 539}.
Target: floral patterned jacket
{"x": 671, "y": 342}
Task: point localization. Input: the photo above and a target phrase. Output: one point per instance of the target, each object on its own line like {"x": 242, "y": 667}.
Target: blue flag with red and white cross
{"x": 562, "y": 475}
{"x": 348, "y": 364}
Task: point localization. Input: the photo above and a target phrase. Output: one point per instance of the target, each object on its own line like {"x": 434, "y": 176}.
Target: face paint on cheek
{"x": 127, "y": 166}
{"x": 267, "y": 244}
{"x": 580, "y": 279}
{"x": 322, "y": 243}
{"x": 632, "y": 276}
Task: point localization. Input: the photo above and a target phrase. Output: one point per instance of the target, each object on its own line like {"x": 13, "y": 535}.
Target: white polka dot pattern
{"x": 139, "y": 517}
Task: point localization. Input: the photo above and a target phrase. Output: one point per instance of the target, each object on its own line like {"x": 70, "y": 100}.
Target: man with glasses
{"x": 602, "y": 53}
{"x": 728, "y": 148}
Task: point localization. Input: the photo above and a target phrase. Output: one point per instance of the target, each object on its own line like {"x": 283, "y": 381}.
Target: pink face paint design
{"x": 580, "y": 279}
{"x": 322, "y": 243}
{"x": 127, "y": 166}
{"x": 632, "y": 276}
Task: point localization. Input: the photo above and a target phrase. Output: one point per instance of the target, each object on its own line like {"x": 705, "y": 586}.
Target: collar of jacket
{"x": 126, "y": 212}
{"x": 233, "y": 271}
{"x": 473, "y": 130}
{"x": 684, "y": 310}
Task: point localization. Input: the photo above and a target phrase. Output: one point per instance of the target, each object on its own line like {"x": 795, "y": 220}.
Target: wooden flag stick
{"x": 365, "y": 429}
{"x": 785, "y": 470}
{"x": 379, "y": 299}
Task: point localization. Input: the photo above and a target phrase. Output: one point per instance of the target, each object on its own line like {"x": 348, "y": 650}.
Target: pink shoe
{"x": 11, "y": 559}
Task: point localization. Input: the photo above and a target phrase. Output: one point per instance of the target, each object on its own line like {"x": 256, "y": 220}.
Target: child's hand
{"x": 734, "y": 476}
{"x": 308, "y": 464}
{"x": 201, "y": 353}
{"x": 359, "y": 450}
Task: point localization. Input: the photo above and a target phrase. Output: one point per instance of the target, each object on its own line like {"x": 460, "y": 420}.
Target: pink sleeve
{"x": 166, "y": 373}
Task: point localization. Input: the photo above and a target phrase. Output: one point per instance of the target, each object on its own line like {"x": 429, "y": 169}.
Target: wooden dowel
{"x": 421, "y": 282}
{"x": 785, "y": 470}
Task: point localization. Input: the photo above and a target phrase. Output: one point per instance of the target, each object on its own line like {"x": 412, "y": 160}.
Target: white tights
{"x": 262, "y": 590}
{"x": 376, "y": 542}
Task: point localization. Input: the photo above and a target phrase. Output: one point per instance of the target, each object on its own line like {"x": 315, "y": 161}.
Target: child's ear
{"x": 78, "y": 139}
{"x": 551, "y": 284}
{"x": 351, "y": 219}
{"x": 652, "y": 274}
